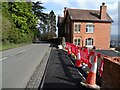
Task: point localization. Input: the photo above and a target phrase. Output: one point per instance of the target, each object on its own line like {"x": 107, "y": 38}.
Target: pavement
{"x": 62, "y": 73}
{"x": 19, "y": 64}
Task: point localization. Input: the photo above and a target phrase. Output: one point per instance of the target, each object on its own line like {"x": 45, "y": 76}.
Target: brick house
{"x": 86, "y": 27}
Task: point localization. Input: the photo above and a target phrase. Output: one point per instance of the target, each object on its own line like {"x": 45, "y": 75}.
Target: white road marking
{"x": 72, "y": 62}
{"x": 19, "y": 52}
{"x": 22, "y": 51}
{"x": 81, "y": 74}
{"x": 14, "y": 54}
{"x": 78, "y": 71}
{"x": 3, "y": 58}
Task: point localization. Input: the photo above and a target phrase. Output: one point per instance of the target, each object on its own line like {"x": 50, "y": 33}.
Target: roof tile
{"x": 80, "y": 14}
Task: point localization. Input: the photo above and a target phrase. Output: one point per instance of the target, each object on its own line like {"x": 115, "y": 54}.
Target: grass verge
{"x": 4, "y": 47}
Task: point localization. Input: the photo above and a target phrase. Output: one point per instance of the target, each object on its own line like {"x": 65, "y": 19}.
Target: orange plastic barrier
{"x": 68, "y": 45}
{"x": 100, "y": 70}
{"x": 78, "y": 61}
{"x": 85, "y": 56}
{"x": 69, "y": 50}
{"x": 73, "y": 48}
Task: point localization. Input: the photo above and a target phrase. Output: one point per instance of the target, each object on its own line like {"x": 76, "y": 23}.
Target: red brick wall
{"x": 111, "y": 76}
{"x": 101, "y": 34}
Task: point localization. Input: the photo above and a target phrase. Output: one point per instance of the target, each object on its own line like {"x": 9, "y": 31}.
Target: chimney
{"x": 103, "y": 12}
{"x": 65, "y": 11}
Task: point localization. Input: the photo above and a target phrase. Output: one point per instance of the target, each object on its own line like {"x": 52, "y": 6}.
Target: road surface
{"x": 19, "y": 64}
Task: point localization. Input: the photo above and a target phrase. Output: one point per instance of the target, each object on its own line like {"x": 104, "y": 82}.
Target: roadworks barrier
{"x": 91, "y": 78}
{"x": 78, "y": 61}
{"x": 108, "y": 69}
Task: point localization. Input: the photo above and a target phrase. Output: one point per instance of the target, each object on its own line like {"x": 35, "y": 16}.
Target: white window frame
{"x": 89, "y": 29}
{"x": 89, "y": 43}
{"x": 77, "y": 42}
{"x": 78, "y": 27}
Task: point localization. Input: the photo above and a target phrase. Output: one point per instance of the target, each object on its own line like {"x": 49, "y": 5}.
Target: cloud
{"x": 119, "y": 13}
{"x": 60, "y": 2}
{"x": 113, "y": 12}
{"x": 112, "y": 7}
{"x": 114, "y": 29}
{"x": 56, "y": 4}
{"x": 84, "y": 4}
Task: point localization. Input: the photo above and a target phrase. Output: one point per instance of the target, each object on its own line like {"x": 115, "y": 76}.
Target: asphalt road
{"x": 19, "y": 64}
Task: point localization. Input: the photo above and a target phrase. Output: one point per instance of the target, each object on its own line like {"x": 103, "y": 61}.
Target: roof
{"x": 86, "y": 15}
{"x": 110, "y": 53}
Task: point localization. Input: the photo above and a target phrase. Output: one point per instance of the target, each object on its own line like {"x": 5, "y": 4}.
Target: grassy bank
{"x": 10, "y": 46}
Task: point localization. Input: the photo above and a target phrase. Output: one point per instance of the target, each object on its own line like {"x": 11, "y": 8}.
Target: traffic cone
{"x": 91, "y": 54}
{"x": 78, "y": 61}
{"x": 91, "y": 78}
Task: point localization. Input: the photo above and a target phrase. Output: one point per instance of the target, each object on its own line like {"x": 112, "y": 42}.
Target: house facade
{"x": 86, "y": 27}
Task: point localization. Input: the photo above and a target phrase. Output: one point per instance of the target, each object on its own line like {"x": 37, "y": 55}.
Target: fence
{"x": 86, "y": 55}
{"x": 109, "y": 66}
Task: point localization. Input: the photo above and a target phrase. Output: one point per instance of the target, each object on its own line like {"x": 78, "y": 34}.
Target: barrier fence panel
{"x": 73, "y": 49}
{"x": 86, "y": 56}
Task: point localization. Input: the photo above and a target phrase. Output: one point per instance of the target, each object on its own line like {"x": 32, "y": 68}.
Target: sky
{"x": 58, "y": 6}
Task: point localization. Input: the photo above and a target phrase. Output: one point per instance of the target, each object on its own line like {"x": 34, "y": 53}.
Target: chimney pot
{"x": 65, "y": 11}
{"x": 103, "y": 4}
{"x": 65, "y": 8}
{"x": 103, "y": 11}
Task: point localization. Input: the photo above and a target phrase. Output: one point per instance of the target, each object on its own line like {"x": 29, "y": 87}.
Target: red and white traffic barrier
{"x": 78, "y": 61}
